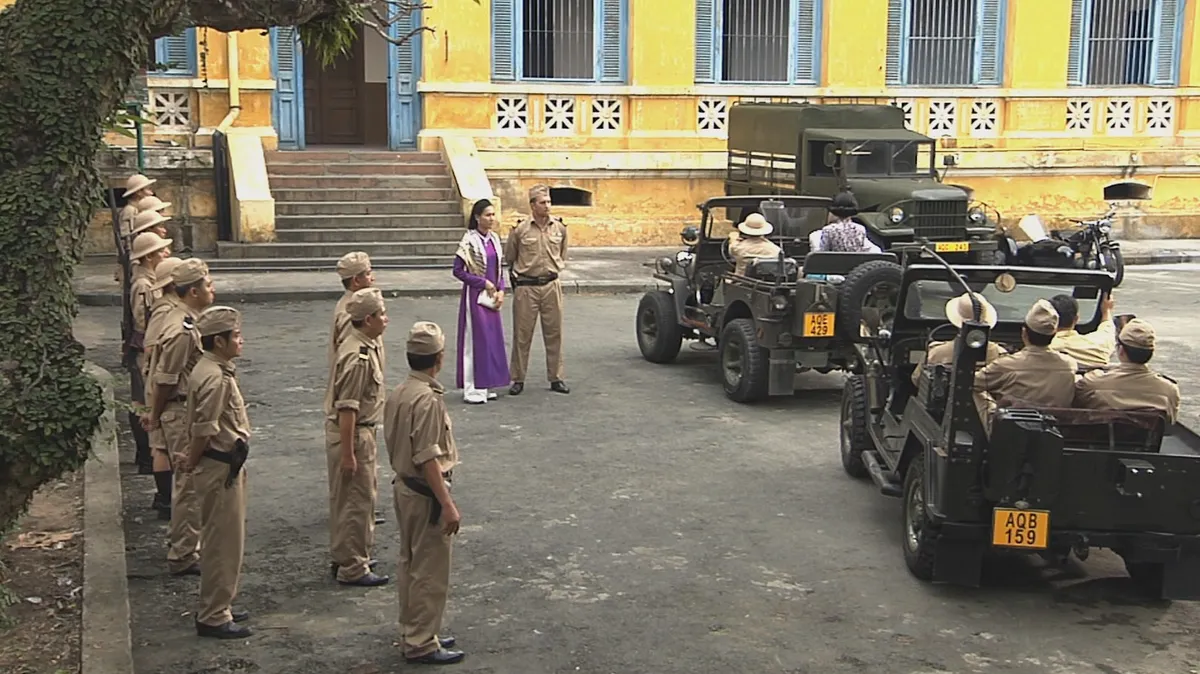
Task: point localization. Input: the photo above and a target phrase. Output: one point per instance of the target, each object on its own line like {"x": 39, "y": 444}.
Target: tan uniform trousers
{"x": 423, "y": 577}
{"x": 184, "y": 532}
{"x": 223, "y": 536}
{"x": 351, "y": 502}
{"x": 530, "y": 302}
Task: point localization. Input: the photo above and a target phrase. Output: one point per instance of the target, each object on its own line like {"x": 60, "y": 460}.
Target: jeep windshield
{"x": 791, "y": 221}
{"x": 899, "y": 158}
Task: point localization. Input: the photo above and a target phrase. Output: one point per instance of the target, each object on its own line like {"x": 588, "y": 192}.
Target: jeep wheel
{"x": 854, "y": 426}
{"x": 874, "y": 284}
{"x": 919, "y": 535}
{"x": 1147, "y": 578}
{"x": 743, "y": 362}
{"x": 659, "y": 334}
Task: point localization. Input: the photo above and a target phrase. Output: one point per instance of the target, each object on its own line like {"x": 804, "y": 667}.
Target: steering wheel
{"x": 725, "y": 254}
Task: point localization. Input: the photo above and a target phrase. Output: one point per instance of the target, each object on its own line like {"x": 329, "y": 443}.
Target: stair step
{"x": 349, "y": 168}
{"x": 227, "y": 250}
{"x": 352, "y": 222}
{"x": 365, "y": 194}
{"x": 302, "y": 182}
{"x": 366, "y": 208}
{"x": 303, "y": 156}
{"x": 329, "y": 264}
{"x": 349, "y": 236}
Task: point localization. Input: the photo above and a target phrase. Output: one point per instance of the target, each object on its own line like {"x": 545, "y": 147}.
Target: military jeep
{"x": 785, "y": 314}
{"x": 820, "y": 150}
{"x": 1051, "y": 482}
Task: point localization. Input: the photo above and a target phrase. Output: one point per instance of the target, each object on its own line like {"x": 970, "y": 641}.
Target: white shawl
{"x": 473, "y": 252}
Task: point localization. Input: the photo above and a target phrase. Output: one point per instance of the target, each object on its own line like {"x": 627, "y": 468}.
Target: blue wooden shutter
{"x": 990, "y": 42}
{"x": 808, "y": 38}
{"x": 706, "y": 27}
{"x": 1165, "y": 72}
{"x": 1075, "y": 66}
{"x": 504, "y": 34}
{"x": 177, "y": 53}
{"x": 403, "y": 110}
{"x": 288, "y": 101}
{"x": 895, "y": 42}
{"x": 612, "y": 40}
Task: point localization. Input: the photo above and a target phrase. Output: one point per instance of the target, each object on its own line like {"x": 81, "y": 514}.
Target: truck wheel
{"x": 919, "y": 536}
{"x": 854, "y": 426}
{"x": 1147, "y": 578}
{"x": 873, "y": 284}
{"x": 743, "y": 362}
{"x": 659, "y": 334}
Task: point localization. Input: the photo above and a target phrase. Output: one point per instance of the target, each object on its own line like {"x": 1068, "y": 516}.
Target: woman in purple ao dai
{"x": 482, "y": 358}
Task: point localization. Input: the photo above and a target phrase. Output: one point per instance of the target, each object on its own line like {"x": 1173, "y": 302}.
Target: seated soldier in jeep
{"x": 750, "y": 242}
{"x": 1035, "y": 375}
{"x": 1132, "y": 384}
{"x": 1094, "y": 349}
{"x": 958, "y": 310}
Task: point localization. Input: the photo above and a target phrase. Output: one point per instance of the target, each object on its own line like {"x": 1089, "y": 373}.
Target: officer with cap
{"x": 216, "y": 454}
{"x": 420, "y": 443}
{"x": 353, "y": 411}
{"x": 1131, "y": 384}
{"x": 176, "y": 353}
{"x": 1035, "y": 375}
{"x": 167, "y": 300}
{"x": 536, "y": 251}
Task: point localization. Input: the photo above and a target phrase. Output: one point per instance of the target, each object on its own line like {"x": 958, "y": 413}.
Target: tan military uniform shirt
{"x": 1094, "y": 349}
{"x": 1033, "y": 375}
{"x": 357, "y": 380}
{"x": 342, "y": 327}
{"x": 1128, "y": 386}
{"x": 142, "y": 296}
{"x": 126, "y": 217}
{"x": 177, "y": 351}
{"x": 745, "y": 249}
{"x": 535, "y": 250}
{"x": 215, "y": 408}
{"x": 417, "y": 427}
{"x": 942, "y": 353}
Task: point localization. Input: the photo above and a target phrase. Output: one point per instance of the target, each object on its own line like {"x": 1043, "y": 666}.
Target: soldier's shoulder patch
{"x": 189, "y": 323}
{"x": 364, "y": 352}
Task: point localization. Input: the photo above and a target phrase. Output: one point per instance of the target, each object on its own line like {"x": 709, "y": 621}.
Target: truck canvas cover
{"x": 760, "y": 127}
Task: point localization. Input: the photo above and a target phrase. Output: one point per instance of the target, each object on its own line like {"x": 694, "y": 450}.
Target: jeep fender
{"x": 679, "y": 291}
{"x": 737, "y": 309}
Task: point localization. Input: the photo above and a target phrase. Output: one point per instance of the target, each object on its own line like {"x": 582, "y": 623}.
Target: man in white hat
{"x": 162, "y": 307}
{"x": 750, "y": 241}
{"x": 959, "y": 310}
{"x": 137, "y": 187}
{"x": 1131, "y": 384}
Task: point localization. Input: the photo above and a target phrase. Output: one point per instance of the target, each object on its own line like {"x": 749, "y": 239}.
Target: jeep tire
{"x": 860, "y": 284}
{"x": 659, "y": 335}
{"x": 918, "y": 536}
{"x": 744, "y": 364}
{"x": 854, "y": 439}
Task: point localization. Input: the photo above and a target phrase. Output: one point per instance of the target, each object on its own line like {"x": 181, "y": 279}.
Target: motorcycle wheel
{"x": 1116, "y": 264}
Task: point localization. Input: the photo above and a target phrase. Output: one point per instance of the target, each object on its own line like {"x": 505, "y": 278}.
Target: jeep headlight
{"x": 896, "y": 215}
{"x": 665, "y": 264}
{"x": 977, "y": 215}
{"x": 976, "y": 339}
{"x": 779, "y": 302}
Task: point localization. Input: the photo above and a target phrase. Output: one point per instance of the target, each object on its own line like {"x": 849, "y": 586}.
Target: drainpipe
{"x": 235, "y": 94}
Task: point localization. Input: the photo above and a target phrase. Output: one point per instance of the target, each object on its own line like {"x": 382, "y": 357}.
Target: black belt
{"x": 367, "y": 425}
{"x": 521, "y": 280}
{"x": 223, "y": 457}
{"x": 421, "y": 487}
{"x": 235, "y": 459}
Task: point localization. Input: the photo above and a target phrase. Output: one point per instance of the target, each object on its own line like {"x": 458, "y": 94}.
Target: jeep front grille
{"x": 939, "y": 220}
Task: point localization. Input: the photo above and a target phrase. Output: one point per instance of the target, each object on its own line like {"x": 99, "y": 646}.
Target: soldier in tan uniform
{"x": 353, "y": 411}
{"x": 218, "y": 445}
{"x": 750, "y": 241}
{"x": 1094, "y": 349}
{"x": 160, "y": 461}
{"x": 137, "y": 187}
{"x": 420, "y": 443}
{"x": 536, "y": 250}
{"x": 145, "y": 254}
{"x": 959, "y": 310}
{"x": 1035, "y": 375}
{"x": 1131, "y": 384}
{"x": 176, "y": 353}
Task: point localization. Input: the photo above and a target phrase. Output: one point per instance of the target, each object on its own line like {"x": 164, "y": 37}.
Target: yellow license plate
{"x": 952, "y": 247}
{"x": 1012, "y": 528}
{"x": 818, "y": 325}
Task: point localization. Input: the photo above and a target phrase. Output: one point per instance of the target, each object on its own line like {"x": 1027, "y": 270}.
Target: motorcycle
{"x": 1093, "y": 246}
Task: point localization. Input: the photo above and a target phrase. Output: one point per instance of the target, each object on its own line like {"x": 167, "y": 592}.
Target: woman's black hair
{"x": 844, "y": 205}
{"x": 476, "y": 211}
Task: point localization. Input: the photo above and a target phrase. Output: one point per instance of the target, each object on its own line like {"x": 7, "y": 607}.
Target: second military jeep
{"x": 784, "y": 314}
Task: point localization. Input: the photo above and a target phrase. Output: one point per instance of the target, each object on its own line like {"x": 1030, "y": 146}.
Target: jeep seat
{"x": 840, "y": 264}
{"x": 769, "y": 269}
{"x": 1121, "y": 430}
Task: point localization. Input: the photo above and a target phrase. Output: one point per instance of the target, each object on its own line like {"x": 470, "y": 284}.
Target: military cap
{"x": 1137, "y": 334}
{"x": 353, "y": 264}
{"x": 1042, "y": 318}
{"x": 147, "y": 219}
{"x": 217, "y": 319}
{"x": 189, "y": 271}
{"x": 538, "y": 191}
{"x": 162, "y": 273}
{"x": 425, "y": 339}
{"x": 137, "y": 182}
{"x": 153, "y": 203}
{"x": 363, "y": 303}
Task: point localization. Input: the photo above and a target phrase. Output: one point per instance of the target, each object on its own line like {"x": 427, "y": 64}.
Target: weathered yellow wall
{"x": 459, "y": 47}
{"x": 1037, "y": 44}
{"x": 1189, "y": 71}
{"x": 855, "y": 43}
{"x": 654, "y": 24}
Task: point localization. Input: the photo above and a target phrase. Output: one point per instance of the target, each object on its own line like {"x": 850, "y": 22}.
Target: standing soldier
{"x": 168, "y": 300}
{"x": 146, "y": 253}
{"x": 537, "y": 251}
{"x": 353, "y": 410}
{"x": 217, "y": 451}
{"x": 420, "y": 443}
{"x": 137, "y": 187}
{"x": 175, "y": 355}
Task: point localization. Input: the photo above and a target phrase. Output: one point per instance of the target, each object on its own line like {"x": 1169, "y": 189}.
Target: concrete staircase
{"x": 398, "y": 207}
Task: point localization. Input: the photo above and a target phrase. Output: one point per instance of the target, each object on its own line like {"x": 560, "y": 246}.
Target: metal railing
{"x": 755, "y": 40}
{"x": 558, "y": 39}
{"x": 942, "y": 42}
{"x": 1120, "y": 44}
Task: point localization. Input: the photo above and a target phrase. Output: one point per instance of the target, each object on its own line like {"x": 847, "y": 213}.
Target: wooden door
{"x": 333, "y": 99}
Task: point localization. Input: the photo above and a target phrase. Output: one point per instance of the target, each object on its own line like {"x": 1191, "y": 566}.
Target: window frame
{"x": 1079, "y": 50}
{"x": 713, "y": 10}
{"x": 162, "y": 49}
{"x": 899, "y": 42}
{"x": 508, "y": 64}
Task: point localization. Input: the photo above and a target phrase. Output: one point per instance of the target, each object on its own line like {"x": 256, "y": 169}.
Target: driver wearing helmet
{"x": 959, "y": 310}
{"x": 750, "y": 242}
{"x": 843, "y": 235}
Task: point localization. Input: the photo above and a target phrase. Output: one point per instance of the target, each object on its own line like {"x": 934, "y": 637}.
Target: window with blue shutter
{"x": 561, "y": 40}
{"x": 947, "y": 43}
{"x": 758, "y": 41}
{"x": 1125, "y": 42}
{"x": 175, "y": 55}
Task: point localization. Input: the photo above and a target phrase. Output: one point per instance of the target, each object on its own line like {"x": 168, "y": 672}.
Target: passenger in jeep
{"x": 958, "y": 310}
{"x": 843, "y": 235}
{"x": 1035, "y": 375}
{"x": 750, "y": 242}
{"x": 1131, "y": 384}
{"x": 1094, "y": 349}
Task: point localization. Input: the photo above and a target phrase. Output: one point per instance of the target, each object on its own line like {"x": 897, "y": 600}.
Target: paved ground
{"x": 641, "y": 524}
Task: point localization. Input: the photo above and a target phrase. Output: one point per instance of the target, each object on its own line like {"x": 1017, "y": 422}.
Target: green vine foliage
{"x": 334, "y": 33}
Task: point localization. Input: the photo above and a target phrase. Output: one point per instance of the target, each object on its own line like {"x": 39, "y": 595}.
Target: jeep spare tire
{"x": 873, "y": 284}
